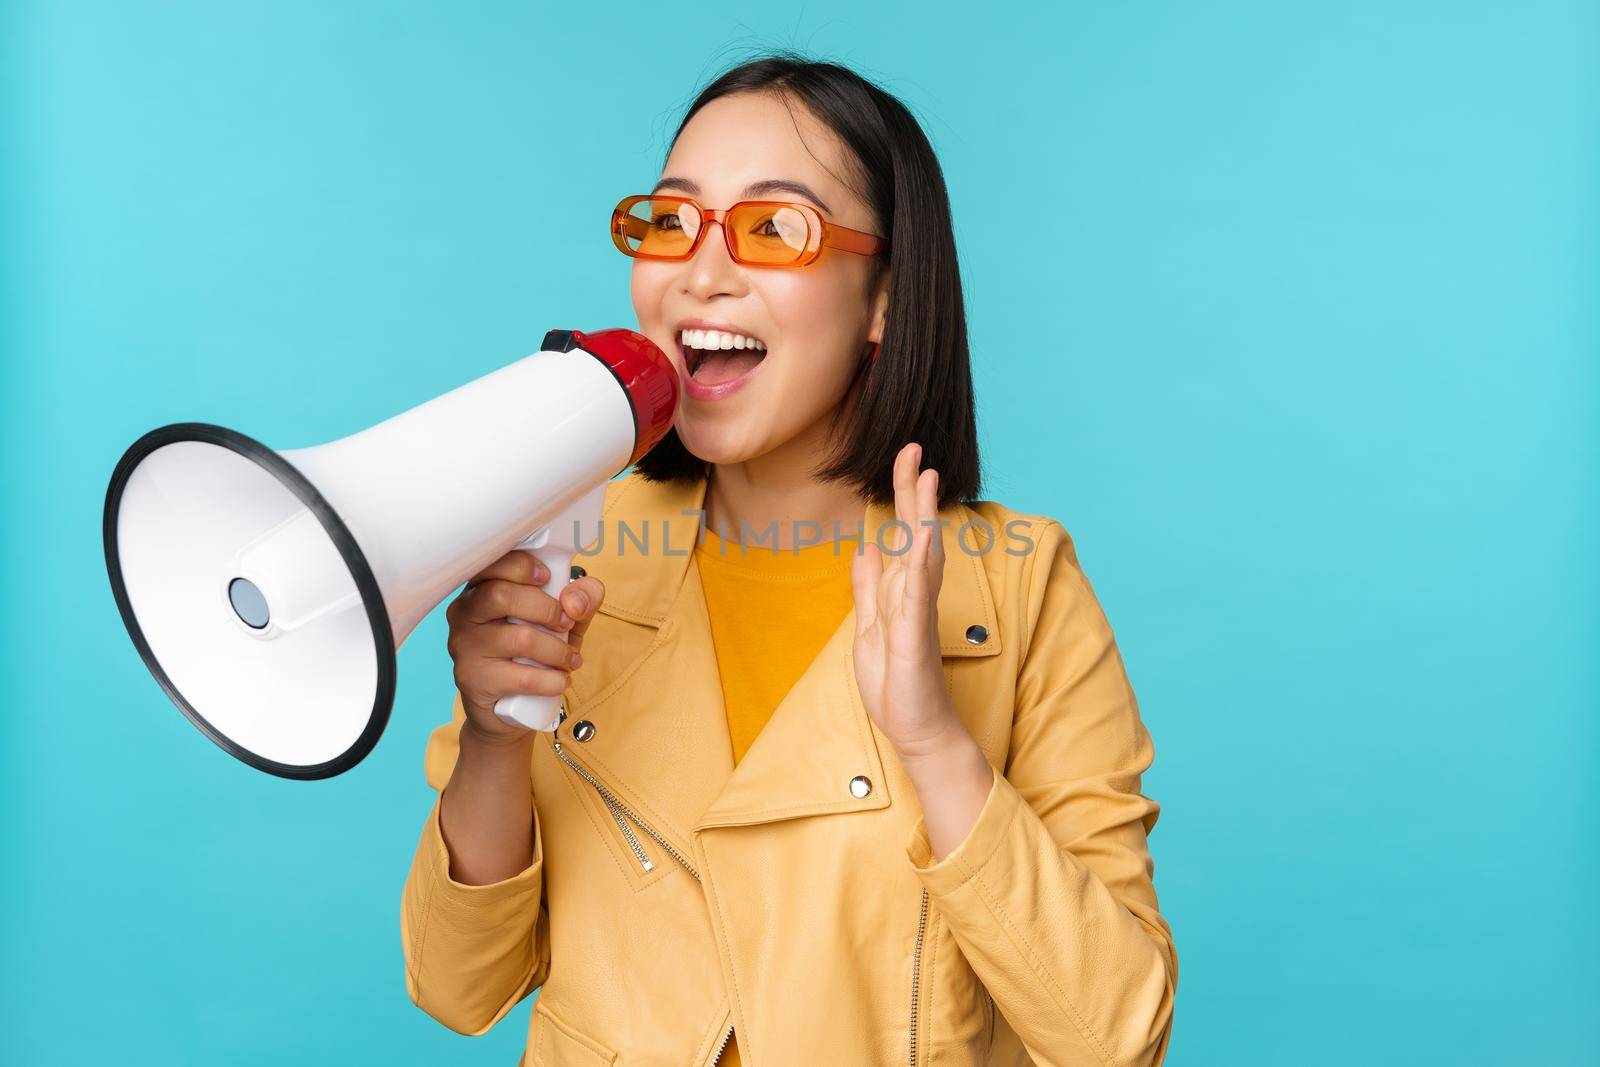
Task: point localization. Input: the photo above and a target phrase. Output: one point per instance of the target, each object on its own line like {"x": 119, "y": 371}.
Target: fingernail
{"x": 577, "y": 660}
{"x": 541, "y": 573}
{"x": 581, "y": 600}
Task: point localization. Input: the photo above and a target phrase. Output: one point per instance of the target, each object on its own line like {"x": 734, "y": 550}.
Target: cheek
{"x": 801, "y": 303}
{"x": 819, "y": 315}
{"x": 647, "y": 285}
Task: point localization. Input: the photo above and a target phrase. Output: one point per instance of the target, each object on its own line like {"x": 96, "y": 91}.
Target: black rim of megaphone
{"x": 371, "y": 596}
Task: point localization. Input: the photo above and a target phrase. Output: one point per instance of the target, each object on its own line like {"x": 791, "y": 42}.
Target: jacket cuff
{"x": 450, "y": 894}
{"x": 974, "y": 851}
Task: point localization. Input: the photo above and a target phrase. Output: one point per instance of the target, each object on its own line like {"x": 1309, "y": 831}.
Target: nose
{"x": 712, "y": 271}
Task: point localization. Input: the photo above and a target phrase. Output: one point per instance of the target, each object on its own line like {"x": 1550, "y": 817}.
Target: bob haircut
{"x": 919, "y": 388}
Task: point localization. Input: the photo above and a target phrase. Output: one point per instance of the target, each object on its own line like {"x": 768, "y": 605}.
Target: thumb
{"x": 581, "y": 600}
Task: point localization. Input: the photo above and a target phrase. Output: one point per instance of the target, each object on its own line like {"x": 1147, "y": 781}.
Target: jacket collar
{"x": 650, "y": 533}
{"x": 819, "y": 737}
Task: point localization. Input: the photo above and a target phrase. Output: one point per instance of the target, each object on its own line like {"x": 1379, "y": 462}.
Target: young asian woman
{"x": 873, "y": 797}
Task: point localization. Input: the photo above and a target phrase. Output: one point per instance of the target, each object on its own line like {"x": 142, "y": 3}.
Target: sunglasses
{"x": 759, "y": 233}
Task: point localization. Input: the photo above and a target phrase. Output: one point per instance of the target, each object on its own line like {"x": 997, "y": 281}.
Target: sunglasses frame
{"x": 821, "y": 232}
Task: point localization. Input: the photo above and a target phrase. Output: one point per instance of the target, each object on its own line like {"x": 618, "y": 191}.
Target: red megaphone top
{"x": 643, "y": 370}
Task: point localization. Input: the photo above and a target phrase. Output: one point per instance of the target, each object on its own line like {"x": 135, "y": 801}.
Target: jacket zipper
{"x": 717, "y": 1055}
{"x": 621, "y": 813}
{"x": 916, "y": 973}
{"x": 618, "y": 810}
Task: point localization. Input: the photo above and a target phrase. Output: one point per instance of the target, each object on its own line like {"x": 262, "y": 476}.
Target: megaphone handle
{"x": 526, "y": 709}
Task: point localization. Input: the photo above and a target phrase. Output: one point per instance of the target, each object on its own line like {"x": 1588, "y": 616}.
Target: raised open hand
{"x": 898, "y": 668}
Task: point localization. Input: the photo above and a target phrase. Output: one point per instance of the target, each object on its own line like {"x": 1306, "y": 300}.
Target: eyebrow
{"x": 754, "y": 189}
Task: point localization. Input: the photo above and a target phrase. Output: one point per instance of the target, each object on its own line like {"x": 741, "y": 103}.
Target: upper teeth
{"x": 710, "y": 339}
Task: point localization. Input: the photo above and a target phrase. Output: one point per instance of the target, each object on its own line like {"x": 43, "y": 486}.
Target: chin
{"x": 718, "y": 444}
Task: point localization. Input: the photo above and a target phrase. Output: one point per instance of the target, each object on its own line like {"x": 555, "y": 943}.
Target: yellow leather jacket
{"x": 673, "y": 896}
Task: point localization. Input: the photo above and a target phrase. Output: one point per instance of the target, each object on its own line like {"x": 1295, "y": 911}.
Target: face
{"x": 811, "y": 325}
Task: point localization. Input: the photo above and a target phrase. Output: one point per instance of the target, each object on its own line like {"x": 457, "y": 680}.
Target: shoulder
{"x": 1018, "y": 524}
{"x": 632, "y": 497}
{"x": 627, "y": 490}
{"x": 1023, "y": 543}
{"x": 1031, "y": 562}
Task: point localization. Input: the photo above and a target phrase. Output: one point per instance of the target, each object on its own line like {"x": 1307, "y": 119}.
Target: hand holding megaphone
{"x": 498, "y": 663}
{"x": 268, "y": 591}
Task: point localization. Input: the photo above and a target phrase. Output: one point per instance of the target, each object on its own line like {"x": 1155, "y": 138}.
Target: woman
{"x": 854, "y": 802}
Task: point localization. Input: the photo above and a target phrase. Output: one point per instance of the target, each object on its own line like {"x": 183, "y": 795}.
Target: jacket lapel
{"x": 817, "y": 739}
{"x": 651, "y": 687}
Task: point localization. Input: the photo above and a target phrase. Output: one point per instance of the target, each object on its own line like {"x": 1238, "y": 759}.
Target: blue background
{"x": 1305, "y": 357}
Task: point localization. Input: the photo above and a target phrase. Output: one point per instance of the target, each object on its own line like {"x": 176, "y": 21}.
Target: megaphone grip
{"x": 533, "y": 711}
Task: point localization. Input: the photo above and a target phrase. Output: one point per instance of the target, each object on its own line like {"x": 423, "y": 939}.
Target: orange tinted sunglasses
{"x": 759, "y": 233}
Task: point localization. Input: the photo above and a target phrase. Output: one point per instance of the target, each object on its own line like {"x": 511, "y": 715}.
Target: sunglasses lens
{"x": 661, "y": 226}
{"x": 769, "y": 234}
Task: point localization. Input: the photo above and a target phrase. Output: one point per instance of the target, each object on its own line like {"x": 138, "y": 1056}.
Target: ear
{"x": 880, "y": 307}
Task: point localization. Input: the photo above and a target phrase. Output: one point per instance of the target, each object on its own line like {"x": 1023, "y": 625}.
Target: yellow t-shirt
{"x": 771, "y": 612}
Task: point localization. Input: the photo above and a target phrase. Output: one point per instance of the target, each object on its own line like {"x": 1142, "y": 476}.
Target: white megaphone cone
{"x": 268, "y": 591}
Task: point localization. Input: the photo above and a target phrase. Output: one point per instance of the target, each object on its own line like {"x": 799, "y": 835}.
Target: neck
{"x": 778, "y": 490}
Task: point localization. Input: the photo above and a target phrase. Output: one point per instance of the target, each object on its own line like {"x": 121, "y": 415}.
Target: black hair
{"x": 919, "y": 387}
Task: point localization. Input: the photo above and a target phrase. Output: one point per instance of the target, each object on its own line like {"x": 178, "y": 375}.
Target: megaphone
{"x": 268, "y": 591}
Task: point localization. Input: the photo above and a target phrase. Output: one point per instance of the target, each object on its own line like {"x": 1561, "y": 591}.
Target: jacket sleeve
{"x": 471, "y": 951}
{"x": 1050, "y": 895}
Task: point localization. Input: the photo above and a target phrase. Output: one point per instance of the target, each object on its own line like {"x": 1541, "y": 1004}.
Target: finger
{"x": 865, "y": 571}
{"x": 936, "y": 545}
{"x": 915, "y": 596}
{"x": 916, "y": 587}
{"x": 905, "y": 510}
{"x": 581, "y": 600}
{"x": 906, "y": 487}
{"x": 510, "y": 640}
{"x": 498, "y": 599}
{"x": 928, "y": 509}
{"x": 515, "y": 566}
{"x": 504, "y": 677}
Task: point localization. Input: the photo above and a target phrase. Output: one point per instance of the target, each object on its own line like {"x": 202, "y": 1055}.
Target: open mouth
{"x": 716, "y": 356}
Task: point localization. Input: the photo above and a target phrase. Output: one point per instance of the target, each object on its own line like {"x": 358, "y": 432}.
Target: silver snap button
{"x": 578, "y": 572}
{"x": 582, "y": 730}
{"x": 860, "y": 785}
{"x": 977, "y": 635}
